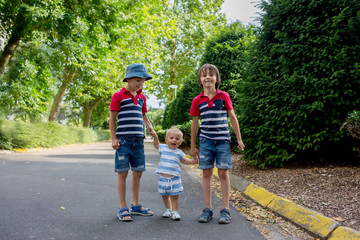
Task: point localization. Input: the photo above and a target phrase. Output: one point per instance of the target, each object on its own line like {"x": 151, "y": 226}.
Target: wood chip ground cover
{"x": 331, "y": 190}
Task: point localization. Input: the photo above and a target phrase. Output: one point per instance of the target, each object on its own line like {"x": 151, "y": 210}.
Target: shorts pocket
{"x": 202, "y": 139}
{"x": 122, "y": 141}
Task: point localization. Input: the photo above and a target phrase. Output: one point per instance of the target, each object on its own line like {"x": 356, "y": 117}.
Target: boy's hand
{"x": 150, "y": 130}
{"x": 153, "y": 134}
{"x": 241, "y": 145}
{"x": 115, "y": 144}
{"x": 196, "y": 160}
{"x": 194, "y": 152}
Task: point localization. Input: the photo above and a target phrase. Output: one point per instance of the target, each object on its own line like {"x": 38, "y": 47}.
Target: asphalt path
{"x": 70, "y": 193}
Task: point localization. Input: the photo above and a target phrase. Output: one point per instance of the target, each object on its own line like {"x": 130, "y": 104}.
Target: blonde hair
{"x": 174, "y": 129}
{"x": 212, "y": 70}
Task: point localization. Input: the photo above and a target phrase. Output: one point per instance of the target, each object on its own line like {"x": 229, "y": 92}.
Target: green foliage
{"x": 177, "y": 112}
{"x": 228, "y": 51}
{"x": 24, "y": 135}
{"x": 352, "y": 127}
{"x": 27, "y": 88}
{"x": 155, "y": 116}
{"x": 186, "y": 25}
{"x": 302, "y": 79}
{"x": 161, "y": 135}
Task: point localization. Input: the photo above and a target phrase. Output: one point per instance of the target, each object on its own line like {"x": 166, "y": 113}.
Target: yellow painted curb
{"x": 342, "y": 233}
{"x": 304, "y": 217}
{"x": 215, "y": 171}
{"x": 19, "y": 150}
{"x": 260, "y": 195}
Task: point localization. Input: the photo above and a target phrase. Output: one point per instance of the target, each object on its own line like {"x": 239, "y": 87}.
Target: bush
{"x": 227, "y": 51}
{"x": 177, "y": 112}
{"x": 302, "y": 79}
{"x": 33, "y": 135}
{"x": 352, "y": 127}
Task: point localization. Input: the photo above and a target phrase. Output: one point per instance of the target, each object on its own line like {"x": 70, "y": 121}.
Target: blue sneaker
{"x": 225, "y": 216}
{"x": 206, "y": 215}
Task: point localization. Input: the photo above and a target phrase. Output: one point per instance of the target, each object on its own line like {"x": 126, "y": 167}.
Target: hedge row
{"x": 22, "y": 135}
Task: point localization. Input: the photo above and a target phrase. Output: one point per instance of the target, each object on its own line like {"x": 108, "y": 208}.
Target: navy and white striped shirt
{"x": 213, "y": 114}
{"x": 130, "y": 113}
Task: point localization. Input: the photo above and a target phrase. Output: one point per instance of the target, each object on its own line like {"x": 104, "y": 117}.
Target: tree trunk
{"x": 88, "y": 108}
{"x": 9, "y": 50}
{"x": 54, "y": 112}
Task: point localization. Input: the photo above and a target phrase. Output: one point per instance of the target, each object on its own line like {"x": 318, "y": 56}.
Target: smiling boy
{"x": 213, "y": 106}
{"x": 169, "y": 181}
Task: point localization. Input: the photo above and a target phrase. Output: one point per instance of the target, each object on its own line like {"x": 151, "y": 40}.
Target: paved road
{"x": 69, "y": 193}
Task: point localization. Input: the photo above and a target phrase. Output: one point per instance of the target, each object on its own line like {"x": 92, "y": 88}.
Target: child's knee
{"x": 137, "y": 174}
{"x": 223, "y": 173}
{"x": 207, "y": 174}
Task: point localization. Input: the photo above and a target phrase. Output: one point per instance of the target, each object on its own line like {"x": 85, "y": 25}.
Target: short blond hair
{"x": 174, "y": 129}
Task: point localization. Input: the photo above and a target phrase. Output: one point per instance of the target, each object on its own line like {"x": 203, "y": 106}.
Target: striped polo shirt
{"x": 130, "y": 113}
{"x": 213, "y": 114}
{"x": 169, "y": 160}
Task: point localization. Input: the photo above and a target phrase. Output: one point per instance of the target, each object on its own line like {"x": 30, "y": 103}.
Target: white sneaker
{"x": 167, "y": 214}
{"x": 175, "y": 215}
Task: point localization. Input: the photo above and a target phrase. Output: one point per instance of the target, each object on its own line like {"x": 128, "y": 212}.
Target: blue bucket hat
{"x": 136, "y": 70}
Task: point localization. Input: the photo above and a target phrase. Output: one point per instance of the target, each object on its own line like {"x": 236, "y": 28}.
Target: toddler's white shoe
{"x": 167, "y": 214}
{"x": 175, "y": 215}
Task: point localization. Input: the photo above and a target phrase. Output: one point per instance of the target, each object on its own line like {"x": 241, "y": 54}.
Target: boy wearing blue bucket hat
{"x": 127, "y": 116}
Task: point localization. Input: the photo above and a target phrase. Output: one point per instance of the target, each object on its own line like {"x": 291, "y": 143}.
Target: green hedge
{"x": 227, "y": 51}
{"x": 24, "y": 135}
{"x": 302, "y": 80}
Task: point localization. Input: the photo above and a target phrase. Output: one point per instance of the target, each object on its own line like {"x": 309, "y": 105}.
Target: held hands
{"x": 195, "y": 152}
{"x": 151, "y": 130}
{"x": 152, "y": 133}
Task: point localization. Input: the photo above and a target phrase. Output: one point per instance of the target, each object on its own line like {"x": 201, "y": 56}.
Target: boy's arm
{"x": 156, "y": 141}
{"x": 148, "y": 124}
{"x": 186, "y": 160}
{"x": 194, "y": 132}
{"x": 112, "y": 123}
{"x": 235, "y": 125}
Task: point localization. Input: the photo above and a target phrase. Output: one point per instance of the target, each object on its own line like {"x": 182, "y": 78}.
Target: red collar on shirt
{"x": 211, "y": 101}
{"x": 128, "y": 93}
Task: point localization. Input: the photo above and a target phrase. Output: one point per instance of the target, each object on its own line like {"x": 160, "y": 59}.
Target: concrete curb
{"x": 311, "y": 221}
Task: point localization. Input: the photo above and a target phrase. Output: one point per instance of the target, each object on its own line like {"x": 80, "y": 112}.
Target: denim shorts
{"x": 210, "y": 150}
{"x": 170, "y": 186}
{"x": 131, "y": 153}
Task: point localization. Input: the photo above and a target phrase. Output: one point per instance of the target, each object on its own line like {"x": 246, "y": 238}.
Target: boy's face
{"x": 173, "y": 140}
{"x": 135, "y": 83}
{"x": 208, "y": 79}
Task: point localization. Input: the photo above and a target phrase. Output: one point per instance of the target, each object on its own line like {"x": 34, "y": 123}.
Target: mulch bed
{"x": 331, "y": 190}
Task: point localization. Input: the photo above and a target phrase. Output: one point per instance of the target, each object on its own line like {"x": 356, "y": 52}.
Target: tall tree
{"x": 22, "y": 18}
{"x": 125, "y": 35}
{"x": 187, "y": 26}
{"x": 28, "y": 85}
